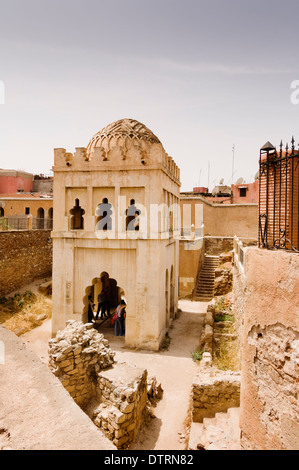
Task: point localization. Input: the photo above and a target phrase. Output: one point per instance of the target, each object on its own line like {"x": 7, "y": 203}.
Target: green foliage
{"x": 15, "y": 303}
{"x": 223, "y": 317}
{"x": 197, "y": 355}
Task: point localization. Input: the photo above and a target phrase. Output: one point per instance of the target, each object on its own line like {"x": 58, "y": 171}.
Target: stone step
{"x": 203, "y": 299}
{"x": 222, "y": 432}
{"x": 204, "y": 289}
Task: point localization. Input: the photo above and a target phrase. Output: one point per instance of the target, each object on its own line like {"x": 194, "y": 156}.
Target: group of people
{"x": 104, "y": 308}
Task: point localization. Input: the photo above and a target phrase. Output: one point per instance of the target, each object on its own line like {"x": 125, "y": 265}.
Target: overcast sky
{"x": 203, "y": 75}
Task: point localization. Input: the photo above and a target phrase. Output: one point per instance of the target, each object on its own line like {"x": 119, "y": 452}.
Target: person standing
{"x": 101, "y": 305}
{"x": 118, "y": 326}
{"x": 90, "y": 309}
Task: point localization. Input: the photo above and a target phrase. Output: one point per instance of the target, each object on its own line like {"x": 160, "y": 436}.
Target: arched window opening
{"x": 132, "y": 217}
{"x": 103, "y": 214}
{"x": 1, "y": 212}
{"x": 50, "y": 219}
{"x": 40, "y": 218}
{"x": 77, "y": 213}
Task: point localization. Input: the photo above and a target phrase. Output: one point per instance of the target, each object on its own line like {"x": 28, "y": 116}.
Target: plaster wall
{"x": 12, "y": 181}
{"x": 16, "y": 206}
{"x": 224, "y": 220}
{"x": 266, "y": 292}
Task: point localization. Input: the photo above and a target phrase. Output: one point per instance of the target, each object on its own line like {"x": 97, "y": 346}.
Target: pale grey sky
{"x": 203, "y": 75}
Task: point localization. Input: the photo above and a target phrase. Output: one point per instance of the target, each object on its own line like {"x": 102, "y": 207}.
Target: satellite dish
{"x": 240, "y": 181}
{"x": 221, "y": 181}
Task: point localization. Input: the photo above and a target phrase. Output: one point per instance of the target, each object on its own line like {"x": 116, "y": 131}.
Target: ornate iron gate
{"x": 279, "y": 197}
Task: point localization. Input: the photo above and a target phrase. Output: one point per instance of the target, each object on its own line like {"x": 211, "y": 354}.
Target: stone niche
{"x": 114, "y": 395}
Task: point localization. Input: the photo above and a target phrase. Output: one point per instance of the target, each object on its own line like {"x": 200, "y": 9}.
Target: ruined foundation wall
{"x": 266, "y": 295}
{"x": 213, "y": 392}
{"x": 24, "y": 257}
{"x": 82, "y": 360}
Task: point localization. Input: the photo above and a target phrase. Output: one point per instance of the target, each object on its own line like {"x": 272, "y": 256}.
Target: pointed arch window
{"x": 104, "y": 215}
{"x": 132, "y": 217}
{"x": 77, "y": 219}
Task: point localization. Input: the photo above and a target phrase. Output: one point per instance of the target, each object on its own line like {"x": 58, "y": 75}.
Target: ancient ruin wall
{"x": 213, "y": 393}
{"x": 114, "y": 395}
{"x": 266, "y": 293}
{"x": 24, "y": 257}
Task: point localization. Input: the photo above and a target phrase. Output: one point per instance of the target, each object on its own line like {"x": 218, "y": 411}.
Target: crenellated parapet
{"x": 125, "y": 144}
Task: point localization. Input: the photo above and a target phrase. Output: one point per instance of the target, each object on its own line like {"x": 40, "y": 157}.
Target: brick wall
{"x": 24, "y": 257}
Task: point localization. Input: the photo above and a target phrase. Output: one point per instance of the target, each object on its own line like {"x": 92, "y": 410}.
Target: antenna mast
{"x": 233, "y": 162}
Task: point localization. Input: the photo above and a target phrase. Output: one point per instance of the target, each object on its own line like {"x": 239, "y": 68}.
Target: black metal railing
{"x": 279, "y": 197}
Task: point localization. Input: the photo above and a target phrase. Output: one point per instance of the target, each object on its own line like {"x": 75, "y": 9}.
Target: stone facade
{"x": 24, "y": 257}
{"x": 123, "y": 168}
{"x": 114, "y": 395}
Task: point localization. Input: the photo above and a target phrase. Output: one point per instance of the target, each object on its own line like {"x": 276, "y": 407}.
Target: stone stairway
{"x": 204, "y": 289}
{"x": 222, "y": 432}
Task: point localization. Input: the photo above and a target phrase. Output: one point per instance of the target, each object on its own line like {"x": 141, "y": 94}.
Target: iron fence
{"x": 24, "y": 223}
{"x": 42, "y": 224}
{"x": 278, "y": 197}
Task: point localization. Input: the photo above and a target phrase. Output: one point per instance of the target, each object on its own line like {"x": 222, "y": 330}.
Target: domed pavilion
{"x": 116, "y": 228}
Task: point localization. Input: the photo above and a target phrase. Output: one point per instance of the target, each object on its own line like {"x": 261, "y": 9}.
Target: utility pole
{"x": 233, "y": 162}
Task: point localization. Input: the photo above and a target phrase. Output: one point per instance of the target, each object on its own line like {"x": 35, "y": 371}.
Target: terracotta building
{"x": 12, "y": 182}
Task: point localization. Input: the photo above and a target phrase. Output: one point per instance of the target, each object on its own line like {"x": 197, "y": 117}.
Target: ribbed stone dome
{"x": 121, "y": 133}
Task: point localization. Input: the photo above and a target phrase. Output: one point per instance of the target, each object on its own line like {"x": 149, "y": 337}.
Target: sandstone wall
{"x": 224, "y": 220}
{"x": 24, "y": 257}
{"x": 214, "y": 392}
{"x": 266, "y": 304}
{"x": 114, "y": 395}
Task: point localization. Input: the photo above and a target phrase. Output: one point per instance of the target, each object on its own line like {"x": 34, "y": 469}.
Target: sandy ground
{"x": 173, "y": 368}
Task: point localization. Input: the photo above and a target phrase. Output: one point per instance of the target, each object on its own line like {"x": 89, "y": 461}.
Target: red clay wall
{"x": 267, "y": 310}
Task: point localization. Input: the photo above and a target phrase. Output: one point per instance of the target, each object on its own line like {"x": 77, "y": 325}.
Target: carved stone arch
{"x": 103, "y": 283}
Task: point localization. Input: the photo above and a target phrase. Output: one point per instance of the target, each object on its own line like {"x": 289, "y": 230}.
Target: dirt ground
{"x": 173, "y": 368}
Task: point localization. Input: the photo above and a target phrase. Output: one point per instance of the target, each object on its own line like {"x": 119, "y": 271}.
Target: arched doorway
{"x": 166, "y": 299}
{"x": 40, "y": 218}
{"x": 172, "y": 292}
{"x": 50, "y": 218}
{"x": 113, "y": 295}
